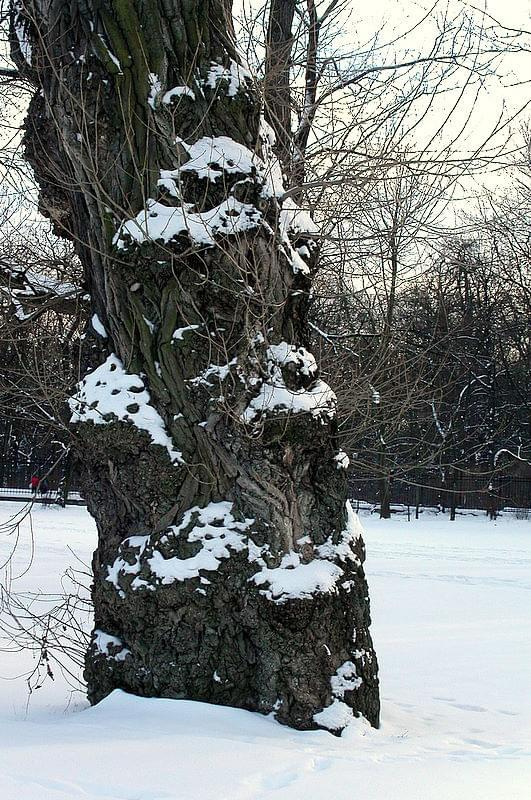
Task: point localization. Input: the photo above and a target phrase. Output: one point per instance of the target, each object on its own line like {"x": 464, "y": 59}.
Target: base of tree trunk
{"x": 221, "y": 636}
{"x": 245, "y": 652}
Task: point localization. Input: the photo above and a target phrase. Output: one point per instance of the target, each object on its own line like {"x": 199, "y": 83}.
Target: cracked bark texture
{"x": 96, "y": 145}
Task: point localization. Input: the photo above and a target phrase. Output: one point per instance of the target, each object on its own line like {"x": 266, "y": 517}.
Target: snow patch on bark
{"x": 158, "y": 222}
{"x": 98, "y": 326}
{"x": 235, "y": 75}
{"x": 363, "y": 656}
{"x": 274, "y": 186}
{"x": 217, "y": 531}
{"x": 214, "y": 527}
{"x": 317, "y": 399}
{"x": 122, "y": 567}
{"x": 295, "y": 222}
{"x": 283, "y": 354}
{"x": 349, "y": 536}
{"x": 295, "y": 580}
{"x": 111, "y": 55}
{"x": 345, "y": 679}
{"x": 177, "y": 91}
{"x": 178, "y": 333}
{"x": 109, "y": 393}
{"x": 109, "y": 646}
{"x": 342, "y": 460}
{"x": 334, "y": 717}
{"x": 338, "y": 714}
{"x": 211, "y": 156}
{"x": 155, "y": 87}
{"x": 219, "y": 371}
{"x": 294, "y": 219}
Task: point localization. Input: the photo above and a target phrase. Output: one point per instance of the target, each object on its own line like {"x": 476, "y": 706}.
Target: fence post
{"x": 385, "y": 498}
{"x": 491, "y": 501}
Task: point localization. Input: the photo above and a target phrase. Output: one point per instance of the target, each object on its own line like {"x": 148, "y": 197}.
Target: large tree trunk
{"x": 229, "y": 566}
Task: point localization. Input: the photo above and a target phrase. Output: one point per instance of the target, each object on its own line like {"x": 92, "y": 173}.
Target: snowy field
{"x": 451, "y": 607}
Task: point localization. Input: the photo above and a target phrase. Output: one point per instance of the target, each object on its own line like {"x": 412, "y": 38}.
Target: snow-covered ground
{"x": 451, "y": 608}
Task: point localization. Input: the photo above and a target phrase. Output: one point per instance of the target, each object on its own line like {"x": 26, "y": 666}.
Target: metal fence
{"x": 467, "y": 492}
{"x": 52, "y": 496}
{"x": 23, "y": 454}
{"x": 16, "y": 473}
{"x": 28, "y": 450}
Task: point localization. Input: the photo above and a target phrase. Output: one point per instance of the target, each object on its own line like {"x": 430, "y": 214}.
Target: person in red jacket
{"x": 34, "y": 484}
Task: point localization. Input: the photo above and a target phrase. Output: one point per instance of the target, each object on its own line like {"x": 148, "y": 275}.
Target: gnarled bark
{"x": 229, "y": 567}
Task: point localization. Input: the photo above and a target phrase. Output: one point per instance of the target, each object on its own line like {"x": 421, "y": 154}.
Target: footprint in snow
{"x": 465, "y": 707}
{"x": 287, "y": 777}
{"x": 320, "y": 764}
{"x": 281, "y": 780}
{"x": 482, "y": 744}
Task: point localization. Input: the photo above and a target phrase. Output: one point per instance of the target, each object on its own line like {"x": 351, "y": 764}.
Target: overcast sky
{"x": 400, "y": 15}
{"x": 504, "y": 94}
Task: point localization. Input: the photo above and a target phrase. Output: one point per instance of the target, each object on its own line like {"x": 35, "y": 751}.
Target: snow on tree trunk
{"x": 229, "y": 565}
